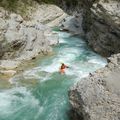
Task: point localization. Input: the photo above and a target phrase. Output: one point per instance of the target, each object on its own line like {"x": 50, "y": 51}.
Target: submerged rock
{"x": 98, "y": 96}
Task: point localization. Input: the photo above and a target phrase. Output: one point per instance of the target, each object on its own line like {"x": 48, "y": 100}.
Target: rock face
{"x": 73, "y": 24}
{"x": 22, "y": 39}
{"x": 103, "y": 34}
{"x": 100, "y": 22}
{"x": 25, "y": 39}
{"x": 98, "y": 96}
{"x": 49, "y": 15}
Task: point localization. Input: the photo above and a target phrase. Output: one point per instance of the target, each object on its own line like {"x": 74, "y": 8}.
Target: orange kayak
{"x": 62, "y": 71}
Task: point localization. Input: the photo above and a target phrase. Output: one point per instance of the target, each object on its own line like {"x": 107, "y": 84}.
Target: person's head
{"x": 63, "y": 64}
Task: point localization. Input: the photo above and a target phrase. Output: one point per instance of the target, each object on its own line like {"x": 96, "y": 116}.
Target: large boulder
{"x": 98, "y": 96}
{"x": 24, "y": 39}
{"x": 48, "y": 14}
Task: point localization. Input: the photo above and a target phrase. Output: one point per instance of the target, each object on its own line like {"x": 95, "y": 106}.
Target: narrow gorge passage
{"x": 48, "y": 99}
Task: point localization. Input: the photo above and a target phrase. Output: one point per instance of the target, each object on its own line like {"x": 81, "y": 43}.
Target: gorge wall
{"x": 24, "y": 36}
{"x": 97, "y": 96}
{"x": 100, "y": 23}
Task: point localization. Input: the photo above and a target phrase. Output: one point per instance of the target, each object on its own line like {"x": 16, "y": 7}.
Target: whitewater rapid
{"x": 47, "y": 97}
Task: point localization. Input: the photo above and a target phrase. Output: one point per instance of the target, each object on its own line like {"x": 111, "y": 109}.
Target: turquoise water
{"x": 41, "y": 93}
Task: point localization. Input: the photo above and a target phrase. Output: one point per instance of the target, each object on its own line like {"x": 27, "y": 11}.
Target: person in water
{"x": 62, "y": 68}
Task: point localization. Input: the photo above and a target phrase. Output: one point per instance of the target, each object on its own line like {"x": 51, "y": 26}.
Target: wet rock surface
{"x": 98, "y": 96}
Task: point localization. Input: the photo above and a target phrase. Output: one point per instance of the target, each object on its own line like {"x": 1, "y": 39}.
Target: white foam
{"x": 64, "y": 35}
{"x": 66, "y": 55}
{"x": 62, "y": 41}
{"x": 9, "y": 100}
{"x": 31, "y": 74}
{"x": 98, "y": 60}
{"x": 35, "y": 73}
{"x": 19, "y": 98}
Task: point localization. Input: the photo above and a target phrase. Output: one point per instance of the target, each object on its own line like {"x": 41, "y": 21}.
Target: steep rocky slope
{"x": 98, "y": 96}
{"x": 24, "y": 39}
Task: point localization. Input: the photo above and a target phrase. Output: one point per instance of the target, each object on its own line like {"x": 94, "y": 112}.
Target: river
{"x": 41, "y": 93}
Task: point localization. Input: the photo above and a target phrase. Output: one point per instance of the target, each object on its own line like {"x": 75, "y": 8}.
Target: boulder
{"x": 73, "y": 24}
{"x": 97, "y": 97}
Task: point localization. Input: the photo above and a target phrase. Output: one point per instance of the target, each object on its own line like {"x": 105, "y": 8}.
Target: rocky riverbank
{"x": 22, "y": 40}
{"x": 98, "y": 96}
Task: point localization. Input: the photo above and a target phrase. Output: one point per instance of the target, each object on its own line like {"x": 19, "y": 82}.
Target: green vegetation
{"x": 21, "y": 6}
{"x": 17, "y": 6}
